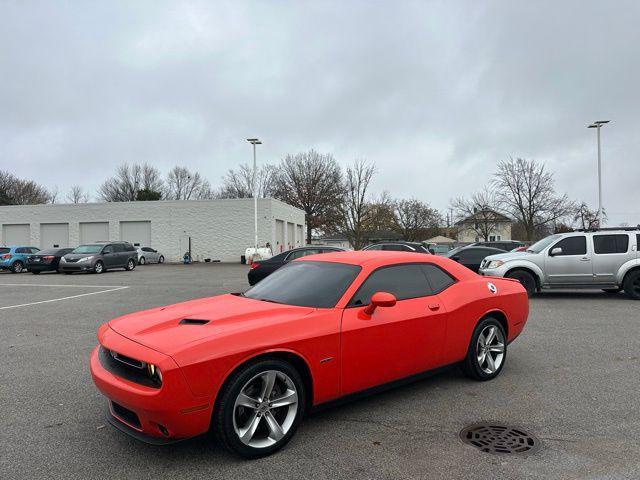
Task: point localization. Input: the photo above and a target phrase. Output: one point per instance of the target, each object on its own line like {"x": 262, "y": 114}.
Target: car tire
{"x": 240, "y": 407}
{"x": 67, "y": 273}
{"x": 141, "y": 261}
{"x": 35, "y": 272}
{"x": 526, "y": 279}
{"x": 161, "y": 259}
{"x": 131, "y": 264}
{"x": 98, "y": 268}
{"x": 631, "y": 285}
{"x": 487, "y": 352}
{"x": 17, "y": 267}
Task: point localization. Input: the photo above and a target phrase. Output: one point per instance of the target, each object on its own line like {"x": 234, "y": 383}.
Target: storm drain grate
{"x": 499, "y": 439}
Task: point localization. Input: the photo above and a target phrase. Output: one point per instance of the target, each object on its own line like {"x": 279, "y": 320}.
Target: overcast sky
{"x": 435, "y": 93}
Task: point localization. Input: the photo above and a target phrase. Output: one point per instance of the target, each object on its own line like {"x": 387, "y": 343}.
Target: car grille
{"x": 126, "y": 367}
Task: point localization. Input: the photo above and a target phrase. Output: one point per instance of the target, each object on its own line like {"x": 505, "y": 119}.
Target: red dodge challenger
{"x": 248, "y": 366}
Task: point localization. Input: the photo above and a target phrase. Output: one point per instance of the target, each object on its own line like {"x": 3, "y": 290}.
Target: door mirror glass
{"x": 555, "y": 251}
{"x": 380, "y": 299}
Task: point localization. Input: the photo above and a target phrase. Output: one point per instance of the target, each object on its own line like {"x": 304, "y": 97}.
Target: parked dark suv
{"x": 99, "y": 257}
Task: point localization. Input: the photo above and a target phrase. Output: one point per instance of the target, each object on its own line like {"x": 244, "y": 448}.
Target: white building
{"x": 218, "y": 229}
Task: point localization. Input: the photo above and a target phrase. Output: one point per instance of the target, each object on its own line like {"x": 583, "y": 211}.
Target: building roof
{"x": 440, "y": 239}
{"x": 479, "y": 216}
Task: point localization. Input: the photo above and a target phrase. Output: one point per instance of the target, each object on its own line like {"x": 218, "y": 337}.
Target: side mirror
{"x": 380, "y": 299}
{"x": 555, "y": 251}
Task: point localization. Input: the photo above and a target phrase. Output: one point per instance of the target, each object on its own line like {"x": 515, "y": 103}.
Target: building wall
{"x": 219, "y": 229}
{"x": 469, "y": 235}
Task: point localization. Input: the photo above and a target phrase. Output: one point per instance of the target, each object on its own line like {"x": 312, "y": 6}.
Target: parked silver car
{"x": 149, "y": 255}
{"x": 606, "y": 258}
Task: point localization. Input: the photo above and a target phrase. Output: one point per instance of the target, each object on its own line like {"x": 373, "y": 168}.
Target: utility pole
{"x": 597, "y": 126}
{"x": 254, "y": 142}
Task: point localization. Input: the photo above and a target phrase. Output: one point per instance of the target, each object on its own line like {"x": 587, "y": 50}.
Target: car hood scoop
{"x": 173, "y": 328}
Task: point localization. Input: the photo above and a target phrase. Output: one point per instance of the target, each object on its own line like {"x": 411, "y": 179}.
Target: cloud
{"x": 436, "y": 93}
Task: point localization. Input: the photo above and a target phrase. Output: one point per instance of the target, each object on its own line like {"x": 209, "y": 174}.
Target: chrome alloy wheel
{"x": 490, "y": 349}
{"x": 265, "y": 409}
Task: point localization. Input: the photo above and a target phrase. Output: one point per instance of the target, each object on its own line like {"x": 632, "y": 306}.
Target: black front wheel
{"x": 259, "y": 408}
{"x": 526, "y": 279}
{"x": 487, "y": 351}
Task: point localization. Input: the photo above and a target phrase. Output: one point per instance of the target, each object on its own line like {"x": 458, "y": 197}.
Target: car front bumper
{"x": 155, "y": 415}
{"x": 493, "y": 272}
{"x": 75, "y": 267}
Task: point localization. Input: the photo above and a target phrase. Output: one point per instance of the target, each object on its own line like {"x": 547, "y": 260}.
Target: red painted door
{"x": 394, "y": 342}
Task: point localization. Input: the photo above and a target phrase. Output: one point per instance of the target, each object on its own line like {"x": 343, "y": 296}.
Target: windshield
{"x": 306, "y": 284}
{"x": 542, "y": 244}
{"x": 88, "y": 249}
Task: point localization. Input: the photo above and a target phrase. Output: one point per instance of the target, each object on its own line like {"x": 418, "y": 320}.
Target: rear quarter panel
{"x": 469, "y": 301}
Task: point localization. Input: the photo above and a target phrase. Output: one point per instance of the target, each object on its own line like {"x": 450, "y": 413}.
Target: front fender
{"x": 624, "y": 269}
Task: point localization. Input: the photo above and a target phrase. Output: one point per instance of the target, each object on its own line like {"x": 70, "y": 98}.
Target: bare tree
{"x": 357, "y": 210}
{"x": 16, "y": 191}
{"x": 128, "y": 181}
{"x": 586, "y": 218}
{"x": 239, "y": 184}
{"x": 479, "y": 213}
{"x": 381, "y": 213}
{"x": 77, "y": 194}
{"x": 415, "y": 220}
{"x": 312, "y": 182}
{"x": 525, "y": 189}
{"x": 182, "y": 184}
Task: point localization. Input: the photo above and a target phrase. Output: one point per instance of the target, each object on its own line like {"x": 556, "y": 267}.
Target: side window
{"x": 21, "y": 250}
{"x": 108, "y": 249}
{"x": 603, "y": 244}
{"x": 375, "y": 247}
{"x": 302, "y": 253}
{"x": 403, "y": 281}
{"x": 147, "y": 249}
{"x": 395, "y": 248}
{"x": 571, "y": 246}
{"x": 34, "y": 250}
{"x": 438, "y": 278}
{"x": 118, "y": 247}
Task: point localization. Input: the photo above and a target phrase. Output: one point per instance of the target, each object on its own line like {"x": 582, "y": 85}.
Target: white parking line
{"x": 113, "y": 289}
{"x": 54, "y": 285}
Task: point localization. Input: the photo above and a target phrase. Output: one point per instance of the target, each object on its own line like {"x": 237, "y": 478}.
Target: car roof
{"x": 481, "y": 247}
{"x": 379, "y": 258}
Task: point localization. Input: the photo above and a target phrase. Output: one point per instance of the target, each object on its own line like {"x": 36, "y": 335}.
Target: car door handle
{"x": 434, "y": 306}
{"x": 585, "y": 259}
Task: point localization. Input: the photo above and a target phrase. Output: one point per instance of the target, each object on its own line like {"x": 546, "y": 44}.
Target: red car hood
{"x": 161, "y": 328}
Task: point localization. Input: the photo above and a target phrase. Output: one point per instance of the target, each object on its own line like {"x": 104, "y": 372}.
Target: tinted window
{"x": 129, "y": 248}
{"x": 146, "y": 249}
{"x": 473, "y": 255}
{"x": 438, "y": 278}
{"x": 394, "y": 247}
{"x": 610, "y": 243}
{"x": 572, "y": 246}
{"x": 302, "y": 253}
{"x": 87, "y": 249}
{"x": 374, "y": 247}
{"x": 21, "y": 250}
{"x": 403, "y": 281}
{"x": 306, "y": 284}
{"x": 4, "y": 250}
{"x": 118, "y": 247}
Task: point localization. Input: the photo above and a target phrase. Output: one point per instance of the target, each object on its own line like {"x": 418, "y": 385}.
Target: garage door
{"x": 137, "y": 233}
{"x": 291, "y": 240}
{"x": 54, "y": 235}
{"x": 94, "y": 232}
{"x": 300, "y": 238}
{"x": 14, "y": 234}
{"x": 280, "y": 247}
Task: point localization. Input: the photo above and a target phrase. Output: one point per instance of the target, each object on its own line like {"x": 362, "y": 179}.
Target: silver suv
{"x": 605, "y": 258}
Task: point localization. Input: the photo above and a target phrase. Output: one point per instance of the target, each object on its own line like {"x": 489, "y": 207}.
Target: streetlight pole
{"x": 597, "y": 126}
{"x": 254, "y": 142}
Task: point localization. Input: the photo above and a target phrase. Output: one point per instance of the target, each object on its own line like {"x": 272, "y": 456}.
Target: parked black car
{"x": 399, "y": 247}
{"x": 46, "y": 260}
{"x": 99, "y": 257}
{"x": 506, "y": 245}
{"x": 264, "y": 268}
{"x": 472, "y": 256}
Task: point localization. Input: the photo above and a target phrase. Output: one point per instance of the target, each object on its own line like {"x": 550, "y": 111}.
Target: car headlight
{"x": 154, "y": 373}
{"x": 85, "y": 259}
{"x": 62, "y": 259}
{"x": 495, "y": 264}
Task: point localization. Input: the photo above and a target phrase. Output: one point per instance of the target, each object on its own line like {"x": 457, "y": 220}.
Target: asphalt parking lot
{"x": 572, "y": 379}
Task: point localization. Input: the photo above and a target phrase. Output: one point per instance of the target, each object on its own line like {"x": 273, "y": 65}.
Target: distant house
{"x": 496, "y": 225}
{"x": 372, "y": 237}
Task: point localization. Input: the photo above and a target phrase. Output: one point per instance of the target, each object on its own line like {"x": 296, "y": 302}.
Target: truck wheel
{"x": 526, "y": 279}
{"x": 631, "y": 285}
